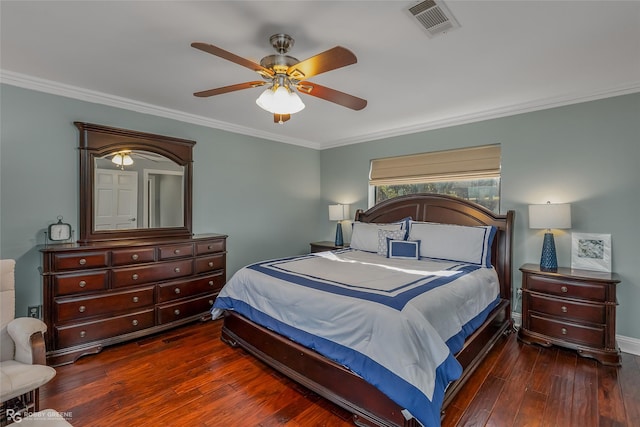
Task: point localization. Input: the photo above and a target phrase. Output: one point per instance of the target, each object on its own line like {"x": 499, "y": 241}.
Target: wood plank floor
{"x": 188, "y": 377}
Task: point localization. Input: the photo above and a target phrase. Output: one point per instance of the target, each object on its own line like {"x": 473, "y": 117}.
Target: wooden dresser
{"x": 571, "y": 308}
{"x": 102, "y": 293}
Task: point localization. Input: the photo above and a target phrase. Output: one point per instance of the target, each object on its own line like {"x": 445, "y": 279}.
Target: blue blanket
{"x": 396, "y": 323}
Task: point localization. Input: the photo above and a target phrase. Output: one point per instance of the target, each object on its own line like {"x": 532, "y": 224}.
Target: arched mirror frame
{"x": 97, "y": 141}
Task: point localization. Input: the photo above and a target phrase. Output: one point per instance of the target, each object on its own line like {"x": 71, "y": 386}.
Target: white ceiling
{"x": 507, "y": 57}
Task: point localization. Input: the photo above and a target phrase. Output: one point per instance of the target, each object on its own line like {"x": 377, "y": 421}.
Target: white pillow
{"x": 384, "y": 235}
{"x": 364, "y": 235}
{"x": 454, "y": 242}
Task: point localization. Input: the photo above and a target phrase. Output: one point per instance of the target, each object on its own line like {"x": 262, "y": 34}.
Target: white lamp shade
{"x": 338, "y": 212}
{"x": 550, "y": 216}
{"x": 122, "y": 159}
{"x": 280, "y": 101}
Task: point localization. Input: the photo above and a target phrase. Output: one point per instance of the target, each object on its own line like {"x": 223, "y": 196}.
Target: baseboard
{"x": 626, "y": 344}
{"x": 629, "y": 345}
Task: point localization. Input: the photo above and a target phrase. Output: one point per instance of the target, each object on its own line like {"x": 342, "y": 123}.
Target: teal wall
{"x": 585, "y": 154}
{"x": 264, "y": 194}
{"x": 271, "y": 198}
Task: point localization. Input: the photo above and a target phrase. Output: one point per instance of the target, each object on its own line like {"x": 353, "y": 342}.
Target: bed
{"x": 355, "y": 379}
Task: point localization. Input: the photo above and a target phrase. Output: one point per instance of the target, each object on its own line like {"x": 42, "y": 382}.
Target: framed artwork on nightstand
{"x": 591, "y": 251}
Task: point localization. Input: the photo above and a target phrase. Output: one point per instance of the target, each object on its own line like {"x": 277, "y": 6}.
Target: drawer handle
{"x": 135, "y": 276}
{"x": 564, "y": 289}
{"x": 82, "y": 261}
{"x": 82, "y": 283}
{"x": 176, "y": 290}
{"x": 210, "y": 302}
{"x": 177, "y": 251}
{"x": 177, "y": 269}
{"x": 176, "y": 312}
{"x": 135, "y": 299}
{"x": 564, "y": 331}
{"x": 82, "y": 309}
{"x": 83, "y": 334}
{"x": 134, "y": 322}
{"x": 210, "y": 282}
{"x": 563, "y": 309}
{"x": 210, "y": 263}
{"x": 210, "y": 247}
{"x": 135, "y": 257}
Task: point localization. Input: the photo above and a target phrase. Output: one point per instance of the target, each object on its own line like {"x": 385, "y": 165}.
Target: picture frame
{"x": 590, "y": 251}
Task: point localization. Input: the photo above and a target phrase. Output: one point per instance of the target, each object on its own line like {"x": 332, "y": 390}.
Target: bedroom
{"x": 585, "y": 152}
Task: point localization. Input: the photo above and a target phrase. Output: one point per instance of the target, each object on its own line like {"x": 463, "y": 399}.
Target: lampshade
{"x": 338, "y": 212}
{"x": 280, "y": 101}
{"x": 550, "y": 215}
{"x": 122, "y": 159}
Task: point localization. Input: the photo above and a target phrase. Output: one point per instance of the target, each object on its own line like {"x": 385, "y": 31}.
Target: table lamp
{"x": 549, "y": 216}
{"x": 338, "y": 213}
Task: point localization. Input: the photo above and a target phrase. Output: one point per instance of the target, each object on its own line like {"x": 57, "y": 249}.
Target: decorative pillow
{"x": 454, "y": 242}
{"x": 404, "y": 249}
{"x": 383, "y": 235}
{"x": 364, "y": 235}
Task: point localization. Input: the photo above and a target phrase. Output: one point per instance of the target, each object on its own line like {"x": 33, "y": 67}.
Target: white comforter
{"x": 388, "y": 320}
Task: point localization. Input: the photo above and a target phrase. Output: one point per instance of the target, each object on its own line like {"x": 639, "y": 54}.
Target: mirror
{"x": 133, "y": 184}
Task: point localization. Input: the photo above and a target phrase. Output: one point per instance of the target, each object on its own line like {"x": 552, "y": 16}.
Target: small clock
{"x": 59, "y": 231}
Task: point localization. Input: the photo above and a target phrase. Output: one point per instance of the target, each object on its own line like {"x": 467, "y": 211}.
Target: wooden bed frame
{"x": 369, "y": 406}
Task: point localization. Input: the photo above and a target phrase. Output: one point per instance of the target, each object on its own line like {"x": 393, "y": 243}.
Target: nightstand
{"x": 325, "y": 246}
{"x": 571, "y": 308}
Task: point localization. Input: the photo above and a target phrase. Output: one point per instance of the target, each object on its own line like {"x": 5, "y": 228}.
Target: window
{"x": 470, "y": 173}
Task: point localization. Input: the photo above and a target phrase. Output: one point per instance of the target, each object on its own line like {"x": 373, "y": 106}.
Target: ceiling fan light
{"x": 117, "y": 159}
{"x": 122, "y": 159}
{"x": 127, "y": 160}
{"x": 280, "y": 101}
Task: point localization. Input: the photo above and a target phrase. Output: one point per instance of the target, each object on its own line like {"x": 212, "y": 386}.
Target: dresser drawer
{"x": 563, "y": 287}
{"x": 592, "y": 336}
{"x": 132, "y": 256}
{"x": 66, "y": 284}
{"x": 161, "y": 271}
{"x": 181, "y": 310}
{"x": 175, "y": 251}
{"x": 178, "y": 290}
{"x": 210, "y": 247}
{"x": 68, "y": 336}
{"x": 593, "y": 313}
{"x": 110, "y": 302}
{"x": 75, "y": 261}
{"x": 210, "y": 263}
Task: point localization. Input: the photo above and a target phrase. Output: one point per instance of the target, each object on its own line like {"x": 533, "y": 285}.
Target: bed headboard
{"x": 452, "y": 210}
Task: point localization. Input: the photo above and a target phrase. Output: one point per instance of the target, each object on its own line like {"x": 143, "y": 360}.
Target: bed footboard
{"x": 369, "y": 406}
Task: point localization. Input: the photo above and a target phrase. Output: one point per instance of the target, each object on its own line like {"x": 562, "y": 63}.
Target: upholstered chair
{"x": 22, "y": 350}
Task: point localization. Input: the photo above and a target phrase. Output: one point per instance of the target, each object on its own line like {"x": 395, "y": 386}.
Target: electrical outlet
{"x": 34, "y": 311}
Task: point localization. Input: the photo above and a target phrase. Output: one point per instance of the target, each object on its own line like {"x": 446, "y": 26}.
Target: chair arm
{"x": 27, "y": 334}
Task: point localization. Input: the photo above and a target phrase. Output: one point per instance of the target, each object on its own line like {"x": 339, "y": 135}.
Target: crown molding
{"x": 68, "y": 91}
{"x": 47, "y": 86}
{"x": 510, "y": 110}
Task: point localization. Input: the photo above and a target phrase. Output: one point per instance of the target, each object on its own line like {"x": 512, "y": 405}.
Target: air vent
{"x": 434, "y": 16}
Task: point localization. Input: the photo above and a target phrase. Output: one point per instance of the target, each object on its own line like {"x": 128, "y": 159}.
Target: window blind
{"x": 449, "y": 165}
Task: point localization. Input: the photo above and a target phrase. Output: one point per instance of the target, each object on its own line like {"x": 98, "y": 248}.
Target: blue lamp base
{"x": 339, "y": 241}
{"x": 548, "y": 259}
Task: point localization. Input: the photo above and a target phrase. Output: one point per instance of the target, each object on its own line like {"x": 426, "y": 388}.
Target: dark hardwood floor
{"x": 188, "y": 377}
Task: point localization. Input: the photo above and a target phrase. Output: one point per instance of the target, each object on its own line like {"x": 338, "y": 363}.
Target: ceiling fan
{"x": 285, "y": 76}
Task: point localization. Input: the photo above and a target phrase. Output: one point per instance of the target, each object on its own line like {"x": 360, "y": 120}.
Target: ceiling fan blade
{"x": 281, "y": 118}
{"x": 326, "y": 61}
{"x": 332, "y": 95}
{"x": 232, "y": 88}
{"x": 214, "y": 50}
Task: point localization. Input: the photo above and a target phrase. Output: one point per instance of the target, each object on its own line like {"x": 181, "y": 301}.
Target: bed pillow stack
{"x": 365, "y": 237}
